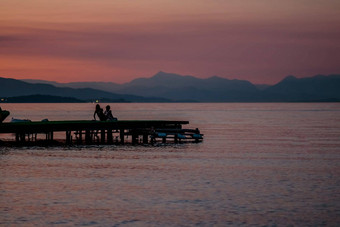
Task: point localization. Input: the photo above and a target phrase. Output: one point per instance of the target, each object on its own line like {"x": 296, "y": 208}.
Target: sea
{"x": 260, "y": 164}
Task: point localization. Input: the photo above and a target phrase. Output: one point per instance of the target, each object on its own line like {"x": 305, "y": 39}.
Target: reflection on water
{"x": 259, "y": 164}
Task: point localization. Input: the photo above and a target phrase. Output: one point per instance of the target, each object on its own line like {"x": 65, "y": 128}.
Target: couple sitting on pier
{"x": 104, "y": 116}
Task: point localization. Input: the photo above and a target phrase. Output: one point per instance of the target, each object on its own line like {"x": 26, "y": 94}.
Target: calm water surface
{"x": 259, "y": 164}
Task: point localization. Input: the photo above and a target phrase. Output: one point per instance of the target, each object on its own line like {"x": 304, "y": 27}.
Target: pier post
{"x": 109, "y": 136}
{"x": 145, "y": 138}
{"x": 102, "y": 136}
{"x": 22, "y": 137}
{"x": 88, "y": 139}
{"x": 121, "y": 132}
{"x": 49, "y": 136}
{"x": 68, "y": 137}
{"x": 80, "y": 137}
{"x": 134, "y": 138}
{"x": 94, "y": 135}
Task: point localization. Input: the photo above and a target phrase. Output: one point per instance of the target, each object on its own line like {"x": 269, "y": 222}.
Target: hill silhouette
{"x": 319, "y": 87}
{"x": 12, "y": 87}
{"x": 177, "y": 87}
{"x": 42, "y": 99}
{"x": 174, "y": 87}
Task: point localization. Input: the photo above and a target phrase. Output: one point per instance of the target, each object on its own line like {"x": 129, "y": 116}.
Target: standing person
{"x": 108, "y": 114}
{"x": 100, "y": 113}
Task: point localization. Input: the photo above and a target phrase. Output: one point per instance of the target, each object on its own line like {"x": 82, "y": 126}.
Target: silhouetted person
{"x": 100, "y": 113}
{"x": 108, "y": 114}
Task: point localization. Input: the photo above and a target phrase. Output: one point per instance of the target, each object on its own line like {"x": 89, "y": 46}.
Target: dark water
{"x": 259, "y": 164}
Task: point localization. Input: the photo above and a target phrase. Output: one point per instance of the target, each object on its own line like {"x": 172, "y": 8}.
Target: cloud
{"x": 230, "y": 45}
{"x": 215, "y": 41}
{"x": 200, "y": 41}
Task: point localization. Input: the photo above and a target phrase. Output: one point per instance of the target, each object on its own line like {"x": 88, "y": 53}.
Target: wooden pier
{"x": 101, "y": 132}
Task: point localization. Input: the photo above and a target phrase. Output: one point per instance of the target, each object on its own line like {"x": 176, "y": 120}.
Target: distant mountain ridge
{"x": 42, "y": 99}
{"x": 311, "y": 88}
{"x": 11, "y": 88}
{"x": 179, "y": 88}
{"x": 175, "y": 87}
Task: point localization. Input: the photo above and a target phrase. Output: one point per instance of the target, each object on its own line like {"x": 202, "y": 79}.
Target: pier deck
{"x": 102, "y": 132}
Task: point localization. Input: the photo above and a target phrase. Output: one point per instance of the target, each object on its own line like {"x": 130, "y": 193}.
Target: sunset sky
{"x": 118, "y": 40}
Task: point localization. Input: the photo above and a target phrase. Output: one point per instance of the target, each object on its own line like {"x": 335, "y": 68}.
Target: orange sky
{"x": 84, "y": 40}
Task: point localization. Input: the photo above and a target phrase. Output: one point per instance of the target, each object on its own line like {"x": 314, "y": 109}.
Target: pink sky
{"x": 84, "y": 40}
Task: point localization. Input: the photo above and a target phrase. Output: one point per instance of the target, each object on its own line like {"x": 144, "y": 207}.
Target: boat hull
{"x": 3, "y": 115}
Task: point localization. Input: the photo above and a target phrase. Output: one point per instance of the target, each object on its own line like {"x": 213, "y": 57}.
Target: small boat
{"x": 3, "y": 115}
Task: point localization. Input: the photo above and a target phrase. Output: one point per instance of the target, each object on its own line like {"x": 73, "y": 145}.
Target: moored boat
{"x": 3, "y": 114}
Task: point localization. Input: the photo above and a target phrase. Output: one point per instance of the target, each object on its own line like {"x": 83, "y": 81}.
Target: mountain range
{"x": 169, "y": 87}
{"x": 174, "y": 87}
{"x": 12, "y": 88}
